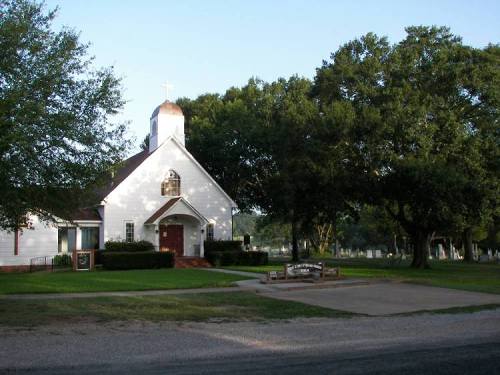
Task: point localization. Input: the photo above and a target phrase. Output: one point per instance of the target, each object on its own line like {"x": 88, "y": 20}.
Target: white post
{"x": 156, "y": 234}
{"x": 78, "y": 238}
{"x": 202, "y": 240}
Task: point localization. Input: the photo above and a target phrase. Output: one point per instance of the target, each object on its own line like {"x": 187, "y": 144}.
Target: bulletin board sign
{"x": 83, "y": 260}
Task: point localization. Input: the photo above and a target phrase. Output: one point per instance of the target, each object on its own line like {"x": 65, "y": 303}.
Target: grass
{"x": 101, "y": 281}
{"x": 456, "y": 275}
{"x": 231, "y": 306}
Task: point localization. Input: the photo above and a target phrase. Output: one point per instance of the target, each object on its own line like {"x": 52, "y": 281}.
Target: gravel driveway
{"x": 278, "y": 347}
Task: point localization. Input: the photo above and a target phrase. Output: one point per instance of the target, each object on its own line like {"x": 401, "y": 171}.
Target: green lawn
{"x": 232, "y": 306}
{"x": 100, "y": 281}
{"x": 456, "y": 275}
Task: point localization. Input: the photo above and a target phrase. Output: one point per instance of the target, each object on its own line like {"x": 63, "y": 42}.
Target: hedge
{"x": 222, "y": 246}
{"x": 62, "y": 260}
{"x": 135, "y": 246}
{"x": 137, "y": 260}
{"x": 237, "y": 258}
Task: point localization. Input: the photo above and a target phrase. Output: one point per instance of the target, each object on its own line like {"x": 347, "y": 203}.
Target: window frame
{"x": 210, "y": 232}
{"x": 171, "y": 185}
{"x": 127, "y": 225}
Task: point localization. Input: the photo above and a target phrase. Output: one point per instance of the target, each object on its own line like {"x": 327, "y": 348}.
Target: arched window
{"x": 154, "y": 128}
{"x": 171, "y": 185}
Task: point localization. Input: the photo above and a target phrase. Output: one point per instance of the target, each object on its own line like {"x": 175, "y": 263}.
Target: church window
{"x": 129, "y": 232}
{"x": 154, "y": 129}
{"x": 210, "y": 232}
{"x": 171, "y": 186}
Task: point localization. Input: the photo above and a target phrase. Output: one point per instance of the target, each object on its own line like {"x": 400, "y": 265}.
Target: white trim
{"x": 125, "y": 222}
{"x": 183, "y": 148}
{"x": 197, "y": 214}
{"x": 191, "y": 157}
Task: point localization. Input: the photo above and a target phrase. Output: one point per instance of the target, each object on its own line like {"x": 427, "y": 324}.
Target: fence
{"x": 50, "y": 263}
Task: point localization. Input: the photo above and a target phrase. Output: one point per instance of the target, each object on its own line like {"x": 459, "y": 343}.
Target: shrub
{"x": 98, "y": 256}
{"x": 222, "y": 246}
{"x": 62, "y": 260}
{"x": 237, "y": 258}
{"x": 135, "y": 246}
{"x": 253, "y": 258}
{"x": 137, "y": 260}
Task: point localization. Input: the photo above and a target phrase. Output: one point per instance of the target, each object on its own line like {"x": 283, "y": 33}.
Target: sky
{"x": 209, "y": 46}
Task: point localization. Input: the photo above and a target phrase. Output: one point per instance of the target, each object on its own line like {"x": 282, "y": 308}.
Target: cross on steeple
{"x": 167, "y": 86}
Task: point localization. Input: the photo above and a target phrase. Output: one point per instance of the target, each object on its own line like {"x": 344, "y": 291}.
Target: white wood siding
{"x": 139, "y": 195}
{"x": 40, "y": 241}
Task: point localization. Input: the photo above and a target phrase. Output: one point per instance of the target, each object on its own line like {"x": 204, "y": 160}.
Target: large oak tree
{"x": 56, "y": 138}
{"x": 421, "y": 127}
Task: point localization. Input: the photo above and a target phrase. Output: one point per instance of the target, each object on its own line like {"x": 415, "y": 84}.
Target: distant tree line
{"x": 409, "y": 131}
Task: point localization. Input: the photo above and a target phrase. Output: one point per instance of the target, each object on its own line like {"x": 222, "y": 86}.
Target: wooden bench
{"x": 302, "y": 271}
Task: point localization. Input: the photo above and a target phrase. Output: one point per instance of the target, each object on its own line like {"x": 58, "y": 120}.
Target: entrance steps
{"x": 191, "y": 262}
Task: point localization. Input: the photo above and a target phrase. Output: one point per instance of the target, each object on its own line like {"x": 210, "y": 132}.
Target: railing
{"x": 50, "y": 262}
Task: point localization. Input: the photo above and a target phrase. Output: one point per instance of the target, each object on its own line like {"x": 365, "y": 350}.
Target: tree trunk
{"x": 468, "y": 247}
{"x": 335, "y": 236}
{"x": 325, "y": 237}
{"x": 421, "y": 247}
{"x": 295, "y": 243}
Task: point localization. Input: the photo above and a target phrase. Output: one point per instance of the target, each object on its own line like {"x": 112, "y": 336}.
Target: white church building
{"x": 161, "y": 195}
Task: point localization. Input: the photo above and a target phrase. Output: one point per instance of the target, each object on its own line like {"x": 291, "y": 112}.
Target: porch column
{"x": 156, "y": 234}
{"x": 78, "y": 238}
{"x": 202, "y": 240}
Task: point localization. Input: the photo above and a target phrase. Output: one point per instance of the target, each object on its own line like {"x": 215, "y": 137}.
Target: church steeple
{"x": 166, "y": 121}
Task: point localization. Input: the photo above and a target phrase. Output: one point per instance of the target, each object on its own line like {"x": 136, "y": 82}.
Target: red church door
{"x": 172, "y": 239}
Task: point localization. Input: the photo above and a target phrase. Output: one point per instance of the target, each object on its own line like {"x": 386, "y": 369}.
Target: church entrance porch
{"x": 177, "y": 226}
{"x": 172, "y": 238}
{"x": 181, "y": 234}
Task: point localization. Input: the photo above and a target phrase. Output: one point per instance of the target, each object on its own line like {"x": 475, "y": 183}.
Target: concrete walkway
{"x": 386, "y": 298}
{"x": 362, "y": 296}
{"x": 258, "y": 287}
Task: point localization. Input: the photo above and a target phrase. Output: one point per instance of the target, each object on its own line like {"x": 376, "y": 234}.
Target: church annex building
{"x": 161, "y": 195}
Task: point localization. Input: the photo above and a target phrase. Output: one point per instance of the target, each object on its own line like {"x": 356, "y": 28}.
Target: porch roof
{"x": 169, "y": 209}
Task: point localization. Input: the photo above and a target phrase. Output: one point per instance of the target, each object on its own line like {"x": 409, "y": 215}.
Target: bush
{"x": 137, "y": 260}
{"x": 98, "y": 256}
{"x": 237, "y": 258}
{"x": 222, "y": 246}
{"x": 62, "y": 260}
{"x": 135, "y": 246}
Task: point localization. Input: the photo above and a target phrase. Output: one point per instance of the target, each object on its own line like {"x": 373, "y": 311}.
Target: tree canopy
{"x": 411, "y": 128}
{"x": 56, "y": 138}
{"x": 420, "y": 117}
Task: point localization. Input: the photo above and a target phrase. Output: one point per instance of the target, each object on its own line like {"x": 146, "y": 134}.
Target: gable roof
{"x": 129, "y": 165}
{"x": 81, "y": 214}
{"x": 191, "y": 157}
{"x": 169, "y": 205}
{"x": 162, "y": 210}
{"x": 85, "y": 214}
